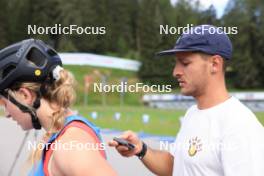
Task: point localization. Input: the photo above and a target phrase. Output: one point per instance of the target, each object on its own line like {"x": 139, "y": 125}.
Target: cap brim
{"x": 174, "y": 51}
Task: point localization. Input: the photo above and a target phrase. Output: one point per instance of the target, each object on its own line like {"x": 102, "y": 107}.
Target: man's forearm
{"x": 159, "y": 162}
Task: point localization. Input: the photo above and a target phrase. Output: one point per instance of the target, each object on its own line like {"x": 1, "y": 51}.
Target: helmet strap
{"x": 34, "y": 119}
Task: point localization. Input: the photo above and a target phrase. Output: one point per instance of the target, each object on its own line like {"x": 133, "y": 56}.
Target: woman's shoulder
{"x": 76, "y": 151}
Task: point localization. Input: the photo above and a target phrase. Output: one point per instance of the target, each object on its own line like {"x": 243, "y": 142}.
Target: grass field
{"x": 162, "y": 122}
{"x": 113, "y": 77}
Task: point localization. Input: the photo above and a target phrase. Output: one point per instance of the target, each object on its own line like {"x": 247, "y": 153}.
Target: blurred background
{"x": 126, "y": 53}
{"x": 133, "y": 33}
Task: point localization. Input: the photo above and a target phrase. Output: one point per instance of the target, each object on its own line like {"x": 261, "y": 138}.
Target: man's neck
{"x": 212, "y": 97}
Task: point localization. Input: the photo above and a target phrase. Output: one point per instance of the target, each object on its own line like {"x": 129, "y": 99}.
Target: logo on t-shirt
{"x": 195, "y": 146}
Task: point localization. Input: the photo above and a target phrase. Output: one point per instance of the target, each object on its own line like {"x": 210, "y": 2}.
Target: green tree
{"x": 247, "y": 63}
{"x": 4, "y": 26}
{"x": 149, "y": 39}
{"x": 93, "y": 13}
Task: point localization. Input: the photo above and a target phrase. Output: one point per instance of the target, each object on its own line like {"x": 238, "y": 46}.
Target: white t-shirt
{"x": 225, "y": 140}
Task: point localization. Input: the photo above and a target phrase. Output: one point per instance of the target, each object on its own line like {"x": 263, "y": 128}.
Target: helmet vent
{"x": 6, "y": 71}
{"x": 51, "y": 52}
{"x": 36, "y": 57}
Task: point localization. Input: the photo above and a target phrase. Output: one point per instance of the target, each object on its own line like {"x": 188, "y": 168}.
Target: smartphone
{"x": 124, "y": 142}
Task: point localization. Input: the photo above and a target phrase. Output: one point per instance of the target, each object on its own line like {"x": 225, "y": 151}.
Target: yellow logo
{"x": 195, "y": 146}
{"x": 37, "y": 72}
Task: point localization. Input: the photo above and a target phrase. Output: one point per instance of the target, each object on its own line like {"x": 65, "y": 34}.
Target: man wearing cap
{"x": 219, "y": 136}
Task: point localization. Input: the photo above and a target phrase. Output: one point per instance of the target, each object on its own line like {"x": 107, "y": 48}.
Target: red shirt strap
{"x": 77, "y": 124}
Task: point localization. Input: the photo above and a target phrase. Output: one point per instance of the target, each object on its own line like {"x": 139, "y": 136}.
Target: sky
{"x": 218, "y": 4}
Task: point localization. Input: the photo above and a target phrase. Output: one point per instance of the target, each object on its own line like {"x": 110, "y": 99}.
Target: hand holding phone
{"x": 124, "y": 142}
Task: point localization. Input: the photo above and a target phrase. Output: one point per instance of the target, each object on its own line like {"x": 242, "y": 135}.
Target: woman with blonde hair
{"x": 38, "y": 93}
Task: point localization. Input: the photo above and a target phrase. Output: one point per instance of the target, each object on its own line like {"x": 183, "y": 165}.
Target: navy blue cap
{"x": 203, "y": 38}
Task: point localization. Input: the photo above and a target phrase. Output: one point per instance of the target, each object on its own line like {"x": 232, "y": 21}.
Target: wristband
{"x": 143, "y": 151}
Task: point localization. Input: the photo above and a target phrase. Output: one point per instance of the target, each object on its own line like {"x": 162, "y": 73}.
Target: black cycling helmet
{"x": 27, "y": 61}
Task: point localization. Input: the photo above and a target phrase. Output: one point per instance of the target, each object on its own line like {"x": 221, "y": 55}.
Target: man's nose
{"x": 177, "y": 72}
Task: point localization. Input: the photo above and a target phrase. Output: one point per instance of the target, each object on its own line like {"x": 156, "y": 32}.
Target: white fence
{"x": 254, "y": 100}
{"x": 99, "y": 61}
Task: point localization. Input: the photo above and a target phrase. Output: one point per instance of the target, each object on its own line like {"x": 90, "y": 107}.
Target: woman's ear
{"x": 26, "y": 95}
